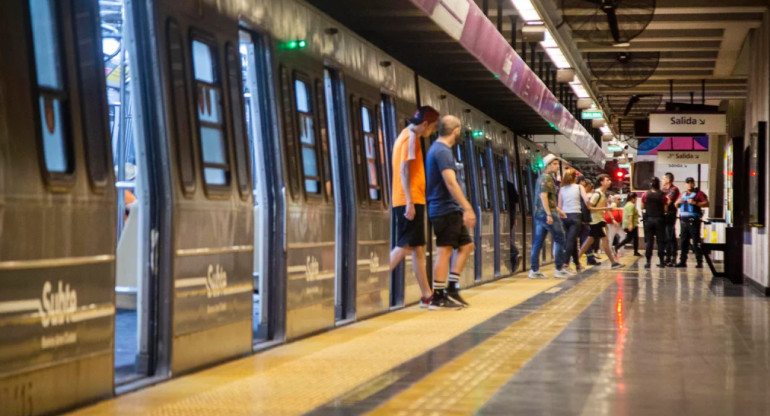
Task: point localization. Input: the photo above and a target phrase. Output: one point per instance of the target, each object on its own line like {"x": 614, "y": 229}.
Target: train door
{"x": 389, "y": 131}
{"x": 57, "y": 210}
{"x": 135, "y": 294}
{"x": 258, "y": 105}
{"x": 468, "y": 274}
{"x": 496, "y": 195}
{"x": 504, "y": 223}
{"x": 486, "y": 219}
{"x": 372, "y": 216}
{"x": 310, "y": 224}
{"x": 517, "y": 215}
{"x": 343, "y": 189}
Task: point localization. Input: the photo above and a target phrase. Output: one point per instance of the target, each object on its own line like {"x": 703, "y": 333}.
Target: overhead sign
{"x": 683, "y": 157}
{"x": 714, "y": 123}
{"x": 592, "y": 114}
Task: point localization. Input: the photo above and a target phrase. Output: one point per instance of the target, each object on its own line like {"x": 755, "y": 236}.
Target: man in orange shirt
{"x": 409, "y": 196}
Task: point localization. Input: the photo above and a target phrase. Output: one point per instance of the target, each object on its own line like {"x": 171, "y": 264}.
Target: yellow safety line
{"x": 466, "y": 383}
{"x": 302, "y": 375}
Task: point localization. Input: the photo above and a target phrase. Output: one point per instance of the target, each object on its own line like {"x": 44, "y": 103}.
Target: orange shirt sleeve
{"x": 128, "y": 196}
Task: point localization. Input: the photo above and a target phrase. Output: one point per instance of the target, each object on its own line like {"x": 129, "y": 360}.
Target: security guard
{"x": 691, "y": 204}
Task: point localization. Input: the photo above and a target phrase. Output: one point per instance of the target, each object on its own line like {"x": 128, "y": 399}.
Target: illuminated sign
{"x": 592, "y": 114}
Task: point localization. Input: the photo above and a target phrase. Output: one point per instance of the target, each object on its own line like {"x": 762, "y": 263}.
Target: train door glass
{"x": 501, "y": 184}
{"x": 485, "y": 194}
{"x": 133, "y": 344}
{"x": 389, "y": 133}
{"x": 254, "y": 97}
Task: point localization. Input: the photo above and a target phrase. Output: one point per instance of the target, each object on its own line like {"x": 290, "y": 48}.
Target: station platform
{"x": 606, "y": 342}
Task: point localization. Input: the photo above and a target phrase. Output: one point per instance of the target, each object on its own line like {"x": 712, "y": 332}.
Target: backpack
{"x": 585, "y": 213}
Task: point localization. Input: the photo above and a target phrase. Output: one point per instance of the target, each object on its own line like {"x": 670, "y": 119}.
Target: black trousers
{"x": 671, "y": 240}
{"x": 514, "y": 250}
{"x": 631, "y": 236}
{"x": 690, "y": 230}
{"x": 654, "y": 228}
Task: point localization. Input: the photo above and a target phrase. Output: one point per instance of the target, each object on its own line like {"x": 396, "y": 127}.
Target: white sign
{"x": 683, "y": 157}
{"x": 688, "y": 123}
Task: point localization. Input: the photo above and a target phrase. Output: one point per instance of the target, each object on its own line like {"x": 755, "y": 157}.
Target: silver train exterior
{"x": 316, "y": 244}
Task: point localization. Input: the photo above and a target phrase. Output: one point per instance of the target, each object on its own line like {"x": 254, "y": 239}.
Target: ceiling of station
{"x": 405, "y": 32}
{"x": 697, "y": 40}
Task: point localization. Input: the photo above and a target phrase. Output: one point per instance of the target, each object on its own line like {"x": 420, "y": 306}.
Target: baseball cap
{"x": 423, "y": 114}
{"x": 549, "y": 158}
{"x": 689, "y": 179}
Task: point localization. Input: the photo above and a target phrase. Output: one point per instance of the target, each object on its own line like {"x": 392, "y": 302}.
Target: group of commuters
{"x": 575, "y": 210}
{"x": 578, "y": 211}
{"x": 432, "y": 181}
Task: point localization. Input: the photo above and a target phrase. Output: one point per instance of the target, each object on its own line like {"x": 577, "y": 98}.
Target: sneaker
{"x": 569, "y": 271}
{"x": 647, "y": 265}
{"x": 561, "y": 274}
{"x": 617, "y": 266}
{"x": 681, "y": 265}
{"x": 455, "y": 296}
{"x": 699, "y": 266}
{"x": 591, "y": 261}
{"x": 441, "y": 301}
{"x": 425, "y": 302}
{"x": 536, "y": 275}
{"x": 579, "y": 268}
{"x": 661, "y": 265}
{"x": 638, "y": 254}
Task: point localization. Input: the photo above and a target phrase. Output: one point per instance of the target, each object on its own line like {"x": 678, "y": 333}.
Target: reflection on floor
{"x": 126, "y": 346}
{"x": 605, "y": 342}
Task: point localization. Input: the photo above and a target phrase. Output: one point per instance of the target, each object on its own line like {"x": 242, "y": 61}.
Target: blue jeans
{"x": 557, "y": 235}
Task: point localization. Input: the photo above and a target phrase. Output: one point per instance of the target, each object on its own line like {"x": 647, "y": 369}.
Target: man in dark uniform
{"x": 691, "y": 204}
{"x": 669, "y": 219}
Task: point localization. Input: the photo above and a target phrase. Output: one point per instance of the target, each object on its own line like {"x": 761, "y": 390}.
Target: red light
{"x": 619, "y": 174}
{"x": 753, "y": 173}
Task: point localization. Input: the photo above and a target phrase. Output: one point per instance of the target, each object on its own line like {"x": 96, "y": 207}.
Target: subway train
{"x": 184, "y": 182}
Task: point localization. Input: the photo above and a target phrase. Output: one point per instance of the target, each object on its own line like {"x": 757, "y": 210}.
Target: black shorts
{"x": 450, "y": 231}
{"x": 597, "y": 230}
{"x": 410, "y": 233}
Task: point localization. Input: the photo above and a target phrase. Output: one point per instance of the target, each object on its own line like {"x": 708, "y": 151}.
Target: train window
{"x": 179, "y": 103}
{"x": 289, "y": 132}
{"x": 91, "y": 74}
{"x": 53, "y": 105}
{"x": 502, "y": 185}
{"x": 381, "y": 142}
{"x": 370, "y": 146}
{"x": 237, "y": 109}
{"x": 325, "y": 154}
{"x": 307, "y": 139}
{"x": 216, "y": 170}
{"x": 487, "y": 204}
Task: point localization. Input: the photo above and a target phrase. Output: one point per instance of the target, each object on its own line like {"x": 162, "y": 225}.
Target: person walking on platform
{"x": 654, "y": 206}
{"x": 547, "y": 219}
{"x": 513, "y": 202}
{"x": 630, "y": 224}
{"x": 409, "y": 196}
{"x": 586, "y": 190}
{"x": 691, "y": 204}
{"x": 569, "y": 202}
{"x": 672, "y": 194}
{"x": 450, "y": 215}
{"x": 598, "y": 205}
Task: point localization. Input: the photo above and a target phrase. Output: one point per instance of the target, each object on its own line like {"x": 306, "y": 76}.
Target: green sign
{"x": 592, "y": 114}
{"x": 612, "y": 148}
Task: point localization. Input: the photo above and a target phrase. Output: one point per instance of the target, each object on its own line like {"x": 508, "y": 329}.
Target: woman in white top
{"x": 569, "y": 203}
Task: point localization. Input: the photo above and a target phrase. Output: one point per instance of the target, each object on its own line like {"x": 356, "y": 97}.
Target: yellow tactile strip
{"x": 298, "y": 377}
{"x": 465, "y": 384}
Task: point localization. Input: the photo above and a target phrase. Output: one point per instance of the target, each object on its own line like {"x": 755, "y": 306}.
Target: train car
{"x": 202, "y": 170}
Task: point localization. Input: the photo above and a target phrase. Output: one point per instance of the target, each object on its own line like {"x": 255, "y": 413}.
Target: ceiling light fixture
{"x": 527, "y": 11}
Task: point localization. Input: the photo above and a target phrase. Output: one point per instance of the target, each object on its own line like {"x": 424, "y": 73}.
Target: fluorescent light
{"x": 549, "y": 41}
{"x": 605, "y": 129}
{"x": 579, "y": 90}
{"x": 526, "y": 10}
{"x": 557, "y": 58}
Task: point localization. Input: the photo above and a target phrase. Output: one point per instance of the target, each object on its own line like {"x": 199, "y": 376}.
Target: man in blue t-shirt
{"x": 450, "y": 213}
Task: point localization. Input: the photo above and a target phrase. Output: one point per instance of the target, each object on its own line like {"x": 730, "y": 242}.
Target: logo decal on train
{"x": 57, "y": 307}
{"x": 216, "y": 281}
{"x": 312, "y": 268}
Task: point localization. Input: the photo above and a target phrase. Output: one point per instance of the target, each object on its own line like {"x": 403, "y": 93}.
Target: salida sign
{"x": 688, "y": 123}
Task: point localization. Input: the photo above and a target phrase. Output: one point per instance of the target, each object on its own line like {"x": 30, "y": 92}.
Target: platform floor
{"x": 606, "y": 342}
